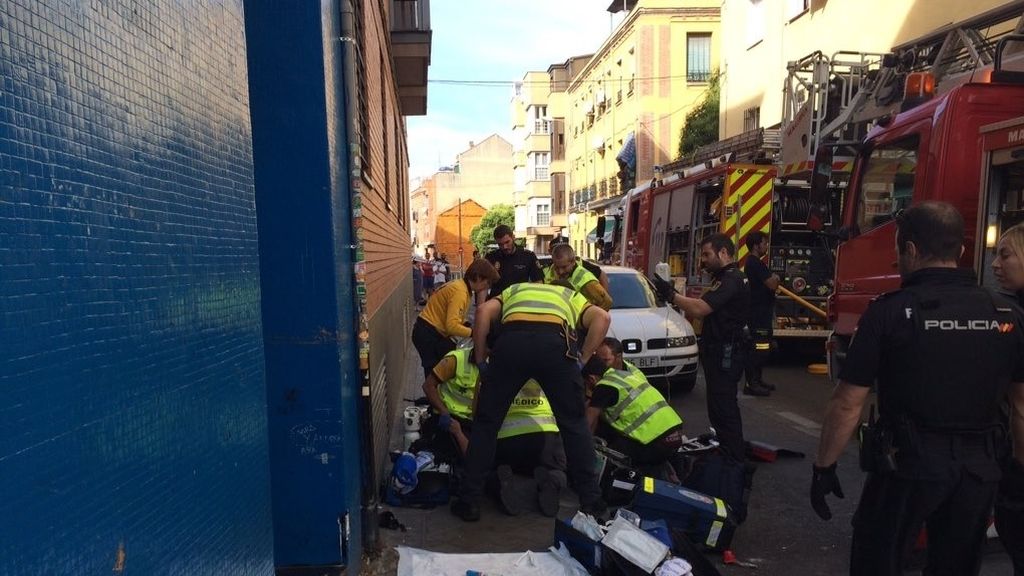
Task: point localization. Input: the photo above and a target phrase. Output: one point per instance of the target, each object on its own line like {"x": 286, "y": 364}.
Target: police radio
{"x": 876, "y": 449}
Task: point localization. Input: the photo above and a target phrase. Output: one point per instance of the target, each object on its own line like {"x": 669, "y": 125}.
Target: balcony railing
{"x": 698, "y": 75}
{"x": 542, "y": 173}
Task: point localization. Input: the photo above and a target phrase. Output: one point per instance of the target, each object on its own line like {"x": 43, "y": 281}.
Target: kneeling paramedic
{"x": 528, "y": 440}
{"x": 537, "y": 340}
{"x": 945, "y": 353}
{"x": 644, "y": 426}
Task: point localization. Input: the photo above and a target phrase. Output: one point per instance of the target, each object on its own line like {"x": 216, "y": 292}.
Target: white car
{"x": 655, "y": 337}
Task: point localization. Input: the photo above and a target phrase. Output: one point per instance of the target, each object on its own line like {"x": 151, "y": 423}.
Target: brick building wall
{"x": 134, "y": 414}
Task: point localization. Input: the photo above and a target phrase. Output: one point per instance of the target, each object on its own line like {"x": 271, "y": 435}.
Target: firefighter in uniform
{"x": 724, "y": 307}
{"x": 536, "y": 340}
{"x": 645, "y": 427}
{"x": 528, "y": 440}
{"x": 564, "y": 266}
{"x": 944, "y": 353}
{"x": 763, "y": 284}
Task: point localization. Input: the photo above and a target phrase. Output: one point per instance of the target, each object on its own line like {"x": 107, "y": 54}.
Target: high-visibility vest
{"x": 579, "y": 277}
{"x": 530, "y": 412}
{"x": 528, "y": 298}
{"x": 457, "y": 393}
{"x": 641, "y": 412}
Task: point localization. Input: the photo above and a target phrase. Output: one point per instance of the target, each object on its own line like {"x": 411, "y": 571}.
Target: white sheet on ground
{"x": 557, "y": 562}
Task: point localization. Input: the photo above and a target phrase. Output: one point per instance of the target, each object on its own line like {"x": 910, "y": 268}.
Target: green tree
{"x": 483, "y": 234}
{"x": 702, "y": 122}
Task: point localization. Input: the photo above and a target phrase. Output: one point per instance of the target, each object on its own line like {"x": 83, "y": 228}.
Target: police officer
{"x": 514, "y": 264}
{"x": 724, "y": 307}
{"x": 645, "y": 427}
{"x": 763, "y": 284}
{"x": 536, "y": 340}
{"x": 565, "y": 266}
{"x": 944, "y": 353}
{"x": 528, "y": 440}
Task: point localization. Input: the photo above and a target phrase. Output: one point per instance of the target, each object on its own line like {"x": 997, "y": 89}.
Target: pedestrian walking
{"x": 537, "y": 339}
{"x": 724, "y": 308}
{"x": 944, "y": 354}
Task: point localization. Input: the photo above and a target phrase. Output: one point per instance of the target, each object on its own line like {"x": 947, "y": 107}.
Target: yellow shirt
{"x": 446, "y": 309}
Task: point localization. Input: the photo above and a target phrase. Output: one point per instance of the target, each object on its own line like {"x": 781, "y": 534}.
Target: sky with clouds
{"x": 496, "y": 41}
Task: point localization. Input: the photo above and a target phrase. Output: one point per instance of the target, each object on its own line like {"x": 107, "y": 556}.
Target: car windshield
{"x": 630, "y": 291}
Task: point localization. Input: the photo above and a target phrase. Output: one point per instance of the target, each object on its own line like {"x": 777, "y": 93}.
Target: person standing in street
{"x": 1008, "y": 268}
{"x": 763, "y": 284}
{"x": 724, "y": 308}
{"x": 537, "y": 340}
{"x": 945, "y": 354}
{"x": 565, "y": 266}
{"x": 514, "y": 264}
{"x": 444, "y": 316}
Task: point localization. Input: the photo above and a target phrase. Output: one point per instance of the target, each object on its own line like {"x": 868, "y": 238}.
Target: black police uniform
{"x": 722, "y": 354}
{"x": 762, "y": 312}
{"x": 943, "y": 351}
{"x": 519, "y": 266}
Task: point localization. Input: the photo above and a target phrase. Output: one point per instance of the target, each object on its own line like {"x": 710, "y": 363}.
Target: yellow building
{"x": 759, "y": 37}
{"x": 531, "y": 160}
{"x": 639, "y": 86}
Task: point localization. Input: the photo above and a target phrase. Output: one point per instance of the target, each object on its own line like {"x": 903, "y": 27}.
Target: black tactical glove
{"x": 665, "y": 290}
{"x": 824, "y": 482}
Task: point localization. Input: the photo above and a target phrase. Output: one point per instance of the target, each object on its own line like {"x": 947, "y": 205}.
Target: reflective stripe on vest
{"x": 641, "y": 412}
{"x": 530, "y": 412}
{"x": 579, "y": 277}
{"x": 542, "y": 299}
{"x": 457, "y": 393}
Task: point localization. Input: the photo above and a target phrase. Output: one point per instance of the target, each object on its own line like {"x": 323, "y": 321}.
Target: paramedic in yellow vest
{"x": 536, "y": 339}
{"x": 528, "y": 441}
{"x": 565, "y": 267}
{"x": 644, "y": 426}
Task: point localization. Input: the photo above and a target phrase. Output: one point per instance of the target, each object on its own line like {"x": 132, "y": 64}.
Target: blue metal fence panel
{"x": 133, "y": 433}
{"x": 303, "y": 200}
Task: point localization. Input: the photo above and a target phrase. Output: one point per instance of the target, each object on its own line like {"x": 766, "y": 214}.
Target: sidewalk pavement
{"x": 438, "y": 530}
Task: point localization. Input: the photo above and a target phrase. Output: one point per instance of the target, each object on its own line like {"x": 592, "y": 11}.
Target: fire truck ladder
{"x": 850, "y": 89}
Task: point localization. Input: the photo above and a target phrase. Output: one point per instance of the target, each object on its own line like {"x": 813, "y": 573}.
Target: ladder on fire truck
{"x": 838, "y": 96}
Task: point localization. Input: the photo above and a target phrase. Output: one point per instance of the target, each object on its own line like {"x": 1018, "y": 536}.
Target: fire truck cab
{"x": 964, "y": 146}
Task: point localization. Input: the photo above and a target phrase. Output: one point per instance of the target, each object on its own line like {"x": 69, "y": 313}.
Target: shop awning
{"x": 609, "y": 232}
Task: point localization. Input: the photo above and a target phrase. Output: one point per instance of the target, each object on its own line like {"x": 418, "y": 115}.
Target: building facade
{"x": 532, "y": 129}
{"x": 206, "y": 285}
{"x": 759, "y": 37}
{"x": 559, "y": 76}
{"x": 483, "y": 173}
{"x": 634, "y": 93}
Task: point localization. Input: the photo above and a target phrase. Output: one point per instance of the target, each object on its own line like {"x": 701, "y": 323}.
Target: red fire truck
{"x": 951, "y": 129}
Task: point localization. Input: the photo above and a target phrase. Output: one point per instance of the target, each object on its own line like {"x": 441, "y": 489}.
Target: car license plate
{"x": 647, "y": 362}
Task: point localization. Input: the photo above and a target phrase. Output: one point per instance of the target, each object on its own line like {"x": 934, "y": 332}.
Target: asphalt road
{"x": 782, "y": 535}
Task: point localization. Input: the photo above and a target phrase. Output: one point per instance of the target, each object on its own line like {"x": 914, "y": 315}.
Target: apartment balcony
{"x": 410, "y": 48}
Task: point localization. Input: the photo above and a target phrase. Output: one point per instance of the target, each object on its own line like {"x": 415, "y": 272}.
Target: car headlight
{"x": 681, "y": 341}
